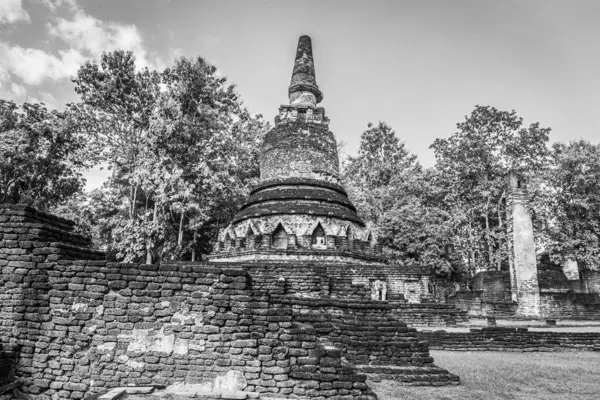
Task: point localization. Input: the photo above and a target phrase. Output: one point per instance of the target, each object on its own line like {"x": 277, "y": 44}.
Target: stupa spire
{"x": 303, "y": 90}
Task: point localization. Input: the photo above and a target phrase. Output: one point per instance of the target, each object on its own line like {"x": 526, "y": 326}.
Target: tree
{"x": 381, "y": 156}
{"x": 182, "y": 148}
{"x": 574, "y": 203}
{"x": 117, "y": 102}
{"x": 475, "y": 162}
{"x": 42, "y": 155}
{"x": 420, "y": 227}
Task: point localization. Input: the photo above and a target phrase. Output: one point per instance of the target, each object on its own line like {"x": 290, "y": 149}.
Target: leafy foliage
{"x": 42, "y": 155}
{"x": 574, "y": 203}
{"x": 475, "y": 162}
{"x": 182, "y": 148}
{"x": 400, "y": 201}
{"x": 453, "y": 216}
{"x": 369, "y": 176}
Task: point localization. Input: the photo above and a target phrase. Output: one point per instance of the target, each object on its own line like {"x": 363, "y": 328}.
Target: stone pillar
{"x": 571, "y": 269}
{"x": 523, "y": 269}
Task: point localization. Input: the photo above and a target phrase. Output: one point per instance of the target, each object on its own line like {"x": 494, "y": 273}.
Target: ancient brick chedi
{"x": 299, "y": 210}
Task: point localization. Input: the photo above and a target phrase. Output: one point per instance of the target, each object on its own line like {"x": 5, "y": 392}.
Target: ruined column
{"x": 523, "y": 266}
{"x": 571, "y": 268}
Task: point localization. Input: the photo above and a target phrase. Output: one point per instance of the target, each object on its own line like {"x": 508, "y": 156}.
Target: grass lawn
{"x": 499, "y": 375}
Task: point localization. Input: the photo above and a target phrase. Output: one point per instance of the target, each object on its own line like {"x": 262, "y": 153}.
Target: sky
{"x": 421, "y": 66}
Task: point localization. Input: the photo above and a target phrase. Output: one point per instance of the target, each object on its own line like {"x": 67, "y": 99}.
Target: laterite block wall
{"x": 511, "y": 339}
{"x": 78, "y": 325}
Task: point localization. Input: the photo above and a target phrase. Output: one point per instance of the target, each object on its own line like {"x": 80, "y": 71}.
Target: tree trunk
{"x": 148, "y": 253}
{"x": 180, "y": 238}
{"x": 130, "y": 201}
{"x": 134, "y": 203}
{"x": 148, "y": 243}
{"x": 487, "y": 233}
{"x": 500, "y": 226}
{"x": 471, "y": 250}
{"x": 194, "y": 246}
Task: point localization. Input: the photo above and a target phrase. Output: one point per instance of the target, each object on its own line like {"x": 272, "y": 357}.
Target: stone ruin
{"x": 77, "y": 325}
{"x": 296, "y": 300}
{"x": 530, "y": 289}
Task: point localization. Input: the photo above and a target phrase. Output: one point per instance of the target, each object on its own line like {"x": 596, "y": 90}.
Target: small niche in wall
{"x": 318, "y": 237}
{"x": 280, "y": 238}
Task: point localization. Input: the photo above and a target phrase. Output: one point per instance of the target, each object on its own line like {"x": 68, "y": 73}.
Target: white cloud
{"x": 13, "y": 91}
{"x": 18, "y": 90}
{"x": 54, "y": 4}
{"x": 93, "y": 36}
{"x": 86, "y": 38}
{"x": 3, "y": 74}
{"x": 12, "y": 11}
{"x": 46, "y": 97}
{"x": 34, "y": 66}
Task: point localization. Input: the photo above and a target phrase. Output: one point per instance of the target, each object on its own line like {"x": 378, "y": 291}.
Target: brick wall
{"x": 120, "y": 324}
{"x": 474, "y": 305}
{"x": 592, "y": 281}
{"x": 570, "y": 305}
{"x": 81, "y": 326}
{"x": 511, "y": 339}
{"x": 403, "y": 283}
{"x": 558, "y": 297}
{"x": 495, "y": 285}
{"x": 297, "y": 149}
{"x": 371, "y": 337}
{"x": 31, "y": 242}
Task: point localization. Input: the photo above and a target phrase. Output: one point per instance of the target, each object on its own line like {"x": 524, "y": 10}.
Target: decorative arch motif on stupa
{"x": 279, "y": 237}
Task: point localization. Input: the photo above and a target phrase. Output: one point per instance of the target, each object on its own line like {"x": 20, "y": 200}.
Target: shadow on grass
{"x": 501, "y": 375}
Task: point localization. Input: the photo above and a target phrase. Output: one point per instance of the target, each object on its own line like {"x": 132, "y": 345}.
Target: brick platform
{"x": 511, "y": 339}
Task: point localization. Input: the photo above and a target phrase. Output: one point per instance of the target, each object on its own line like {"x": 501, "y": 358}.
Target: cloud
{"x": 85, "y": 36}
{"x": 54, "y": 4}
{"x": 18, "y": 90}
{"x": 3, "y": 74}
{"x": 12, "y": 11}
{"x": 34, "y": 66}
{"x": 176, "y": 52}
{"x": 48, "y": 99}
{"x": 92, "y": 36}
{"x": 13, "y": 91}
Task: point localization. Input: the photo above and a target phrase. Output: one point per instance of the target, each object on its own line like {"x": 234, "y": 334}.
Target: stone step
{"x": 187, "y": 395}
{"x": 405, "y": 375}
